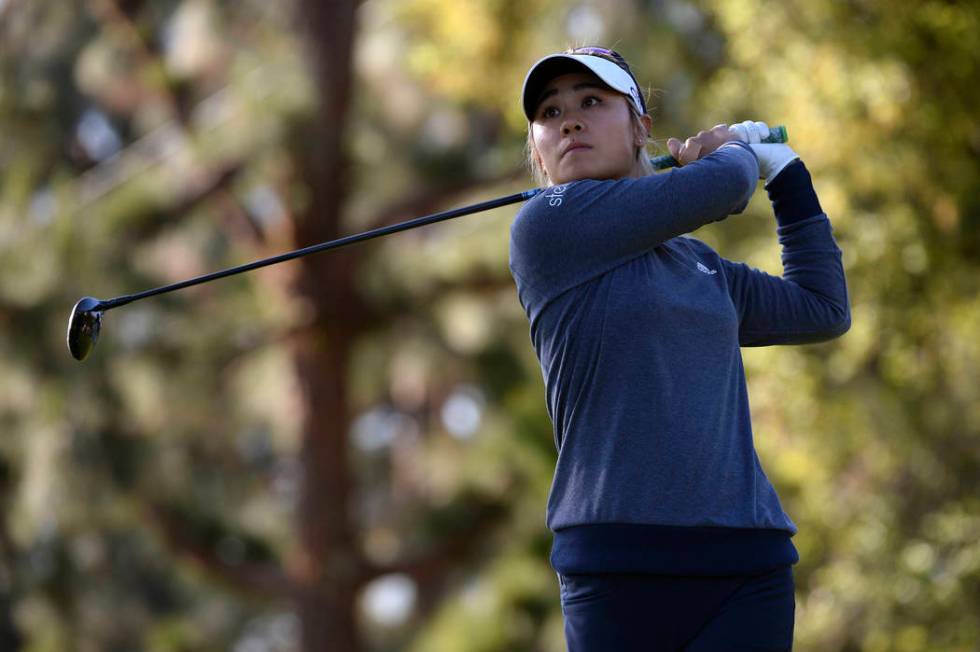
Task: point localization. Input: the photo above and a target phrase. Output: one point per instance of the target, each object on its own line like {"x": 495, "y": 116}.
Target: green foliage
{"x": 886, "y": 424}
{"x": 188, "y": 412}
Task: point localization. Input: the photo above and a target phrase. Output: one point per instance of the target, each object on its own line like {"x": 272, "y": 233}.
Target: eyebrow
{"x": 577, "y": 87}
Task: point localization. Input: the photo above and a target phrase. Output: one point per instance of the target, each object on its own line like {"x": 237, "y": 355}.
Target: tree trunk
{"x": 329, "y": 565}
{"x": 327, "y": 571}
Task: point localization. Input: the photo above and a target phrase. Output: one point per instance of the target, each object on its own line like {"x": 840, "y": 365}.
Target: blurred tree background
{"x": 352, "y": 452}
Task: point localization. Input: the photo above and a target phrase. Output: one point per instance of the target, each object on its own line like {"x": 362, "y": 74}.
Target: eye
{"x": 549, "y": 112}
{"x": 591, "y": 100}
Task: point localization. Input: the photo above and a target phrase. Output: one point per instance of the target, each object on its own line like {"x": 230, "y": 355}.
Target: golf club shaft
{"x": 108, "y": 304}
{"x": 778, "y": 135}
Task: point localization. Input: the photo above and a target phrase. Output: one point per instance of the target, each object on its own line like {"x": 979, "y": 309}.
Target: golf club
{"x": 85, "y": 321}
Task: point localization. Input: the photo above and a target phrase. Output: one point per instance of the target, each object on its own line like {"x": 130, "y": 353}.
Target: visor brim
{"x": 556, "y": 65}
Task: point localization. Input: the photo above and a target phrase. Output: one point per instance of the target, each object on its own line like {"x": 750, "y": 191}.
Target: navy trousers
{"x": 654, "y": 613}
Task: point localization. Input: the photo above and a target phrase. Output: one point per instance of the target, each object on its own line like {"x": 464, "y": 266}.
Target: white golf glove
{"x": 773, "y": 157}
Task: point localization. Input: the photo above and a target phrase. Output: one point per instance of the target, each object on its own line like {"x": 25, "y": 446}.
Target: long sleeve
{"x": 580, "y": 230}
{"x": 638, "y": 338}
{"x": 809, "y": 303}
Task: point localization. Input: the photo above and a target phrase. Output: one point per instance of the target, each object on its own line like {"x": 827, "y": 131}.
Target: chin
{"x": 598, "y": 172}
{"x": 578, "y": 173}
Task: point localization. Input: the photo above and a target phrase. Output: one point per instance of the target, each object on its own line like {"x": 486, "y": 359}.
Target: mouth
{"x": 575, "y": 147}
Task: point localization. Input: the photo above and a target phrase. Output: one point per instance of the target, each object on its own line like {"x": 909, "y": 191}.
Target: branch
{"x": 432, "y": 570}
{"x": 456, "y": 546}
{"x": 8, "y": 549}
{"x": 416, "y": 303}
{"x": 7, "y": 8}
{"x": 8, "y": 553}
{"x": 429, "y": 200}
{"x": 266, "y": 579}
{"x": 160, "y": 143}
{"x": 425, "y": 202}
{"x": 116, "y": 22}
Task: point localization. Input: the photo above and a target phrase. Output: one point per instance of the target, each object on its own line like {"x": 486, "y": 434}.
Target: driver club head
{"x": 83, "y": 327}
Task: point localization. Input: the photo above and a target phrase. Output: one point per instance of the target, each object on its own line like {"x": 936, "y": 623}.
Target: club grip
{"x": 777, "y": 134}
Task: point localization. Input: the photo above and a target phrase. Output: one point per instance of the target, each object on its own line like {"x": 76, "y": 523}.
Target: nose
{"x": 570, "y": 124}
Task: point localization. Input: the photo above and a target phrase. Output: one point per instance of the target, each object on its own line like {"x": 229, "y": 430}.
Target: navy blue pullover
{"x": 637, "y": 328}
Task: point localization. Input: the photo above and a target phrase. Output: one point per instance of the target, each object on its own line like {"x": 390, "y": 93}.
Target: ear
{"x": 641, "y": 135}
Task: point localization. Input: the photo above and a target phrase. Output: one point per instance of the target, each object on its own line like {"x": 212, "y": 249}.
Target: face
{"x": 583, "y": 130}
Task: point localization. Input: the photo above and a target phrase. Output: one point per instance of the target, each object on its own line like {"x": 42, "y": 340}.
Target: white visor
{"x": 557, "y": 64}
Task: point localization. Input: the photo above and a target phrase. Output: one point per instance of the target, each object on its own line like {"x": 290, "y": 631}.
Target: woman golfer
{"x": 667, "y": 533}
